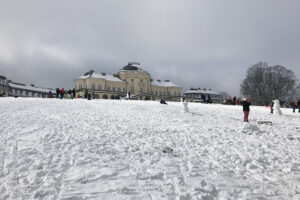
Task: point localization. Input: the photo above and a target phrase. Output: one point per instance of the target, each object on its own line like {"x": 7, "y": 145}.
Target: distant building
{"x": 9, "y": 88}
{"x": 199, "y": 95}
{"x": 130, "y": 80}
{"x": 4, "y": 87}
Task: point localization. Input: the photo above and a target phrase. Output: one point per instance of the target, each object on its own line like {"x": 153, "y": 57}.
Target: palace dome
{"x": 132, "y": 66}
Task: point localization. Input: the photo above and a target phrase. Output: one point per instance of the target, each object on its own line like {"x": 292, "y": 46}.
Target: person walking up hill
{"x": 246, "y": 109}
{"x": 62, "y": 93}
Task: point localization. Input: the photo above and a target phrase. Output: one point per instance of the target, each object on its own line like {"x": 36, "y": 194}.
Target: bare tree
{"x": 265, "y": 83}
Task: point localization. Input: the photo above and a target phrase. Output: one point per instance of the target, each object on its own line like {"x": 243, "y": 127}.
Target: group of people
{"x": 233, "y": 101}
{"x": 295, "y": 105}
{"x": 60, "y": 93}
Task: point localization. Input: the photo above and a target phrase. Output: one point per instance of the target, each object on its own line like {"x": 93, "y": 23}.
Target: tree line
{"x": 264, "y": 83}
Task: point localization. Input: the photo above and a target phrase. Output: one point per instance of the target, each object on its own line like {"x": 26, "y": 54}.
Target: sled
{"x": 265, "y": 122}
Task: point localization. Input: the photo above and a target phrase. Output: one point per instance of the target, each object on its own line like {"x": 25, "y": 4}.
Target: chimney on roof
{"x": 167, "y": 80}
{"x": 158, "y": 80}
{"x": 103, "y": 73}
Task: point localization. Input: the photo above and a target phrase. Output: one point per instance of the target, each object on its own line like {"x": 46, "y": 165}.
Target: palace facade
{"x": 131, "y": 81}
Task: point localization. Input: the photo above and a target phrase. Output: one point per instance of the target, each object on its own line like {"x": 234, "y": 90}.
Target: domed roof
{"x": 132, "y": 66}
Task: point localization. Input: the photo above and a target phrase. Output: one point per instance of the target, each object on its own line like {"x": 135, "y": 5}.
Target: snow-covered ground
{"x": 112, "y": 149}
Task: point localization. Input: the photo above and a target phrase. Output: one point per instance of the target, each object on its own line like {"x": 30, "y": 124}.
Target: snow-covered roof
{"x": 164, "y": 84}
{"x": 106, "y": 77}
{"x": 29, "y": 87}
{"x": 201, "y": 92}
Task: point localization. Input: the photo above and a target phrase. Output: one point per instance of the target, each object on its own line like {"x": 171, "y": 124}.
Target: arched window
{"x": 132, "y": 90}
{"x": 99, "y": 87}
{"x": 141, "y": 90}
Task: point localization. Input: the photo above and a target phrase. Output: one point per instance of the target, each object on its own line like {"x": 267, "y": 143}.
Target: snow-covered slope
{"x": 105, "y": 149}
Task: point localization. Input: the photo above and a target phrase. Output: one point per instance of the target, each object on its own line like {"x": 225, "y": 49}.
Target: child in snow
{"x": 185, "y": 105}
{"x": 246, "y": 109}
{"x": 162, "y": 101}
{"x": 272, "y": 107}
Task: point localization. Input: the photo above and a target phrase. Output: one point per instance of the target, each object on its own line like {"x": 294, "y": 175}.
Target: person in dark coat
{"x": 162, "y": 101}
{"x": 299, "y": 106}
{"x": 86, "y": 93}
{"x": 203, "y": 97}
{"x": 209, "y": 99}
{"x": 89, "y": 96}
{"x": 73, "y": 93}
{"x": 272, "y": 107}
{"x": 57, "y": 93}
{"x": 234, "y": 101}
{"x": 246, "y": 109}
{"x": 293, "y": 104}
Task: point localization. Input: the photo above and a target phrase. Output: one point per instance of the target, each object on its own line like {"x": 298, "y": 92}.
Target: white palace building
{"x": 131, "y": 80}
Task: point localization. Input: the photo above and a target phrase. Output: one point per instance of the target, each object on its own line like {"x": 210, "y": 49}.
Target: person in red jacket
{"x": 62, "y": 93}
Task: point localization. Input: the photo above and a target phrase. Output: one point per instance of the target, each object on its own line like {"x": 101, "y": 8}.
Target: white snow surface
{"x": 117, "y": 149}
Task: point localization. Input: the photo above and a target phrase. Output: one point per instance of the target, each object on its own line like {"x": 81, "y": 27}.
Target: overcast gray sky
{"x": 199, "y": 43}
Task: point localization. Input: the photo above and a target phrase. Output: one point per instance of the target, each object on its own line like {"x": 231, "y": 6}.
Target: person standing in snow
{"x": 209, "y": 99}
{"x": 246, "y": 109}
{"x": 272, "y": 107}
{"x": 298, "y": 105}
{"x": 86, "y": 93}
{"x": 57, "y": 93}
{"x": 62, "y": 93}
{"x": 293, "y": 104}
{"x": 185, "y": 105}
{"x": 73, "y": 93}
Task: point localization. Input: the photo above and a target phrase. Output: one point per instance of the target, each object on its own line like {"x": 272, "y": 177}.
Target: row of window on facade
{"x": 25, "y": 93}
{"x": 5, "y": 89}
{"x": 160, "y": 93}
{"x": 3, "y": 80}
{"x": 199, "y": 95}
{"x": 141, "y": 80}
